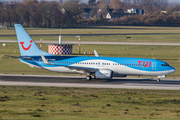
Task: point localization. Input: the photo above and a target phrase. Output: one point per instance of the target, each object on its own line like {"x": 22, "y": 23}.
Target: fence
{"x": 124, "y": 24}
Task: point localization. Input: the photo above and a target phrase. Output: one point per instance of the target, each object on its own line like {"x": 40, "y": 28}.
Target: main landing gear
{"x": 88, "y": 78}
{"x": 158, "y": 79}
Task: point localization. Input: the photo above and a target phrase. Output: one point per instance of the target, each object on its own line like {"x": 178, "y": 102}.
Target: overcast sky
{"x": 174, "y": 1}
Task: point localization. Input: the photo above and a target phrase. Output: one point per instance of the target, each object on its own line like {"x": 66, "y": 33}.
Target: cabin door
{"x": 40, "y": 62}
{"x": 154, "y": 66}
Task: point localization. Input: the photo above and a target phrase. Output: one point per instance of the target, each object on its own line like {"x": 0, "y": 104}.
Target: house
{"x": 164, "y": 12}
{"x": 98, "y": 16}
{"x": 119, "y": 14}
{"x": 178, "y": 12}
{"x": 132, "y": 10}
{"x": 63, "y": 11}
{"x": 86, "y": 15}
{"x": 111, "y": 15}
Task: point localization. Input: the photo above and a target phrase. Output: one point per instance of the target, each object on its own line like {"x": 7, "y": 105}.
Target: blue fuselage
{"x": 120, "y": 65}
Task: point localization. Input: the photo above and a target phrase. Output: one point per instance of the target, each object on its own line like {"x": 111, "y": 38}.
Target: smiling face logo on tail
{"x": 22, "y": 44}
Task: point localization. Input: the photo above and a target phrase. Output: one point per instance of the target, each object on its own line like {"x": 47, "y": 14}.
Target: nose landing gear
{"x": 158, "y": 79}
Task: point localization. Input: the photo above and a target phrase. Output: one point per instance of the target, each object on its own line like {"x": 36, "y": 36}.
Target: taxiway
{"x": 79, "y": 81}
{"x": 99, "y": 43}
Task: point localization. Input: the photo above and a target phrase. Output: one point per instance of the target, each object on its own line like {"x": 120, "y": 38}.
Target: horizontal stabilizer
{"x": 25, "y": 58}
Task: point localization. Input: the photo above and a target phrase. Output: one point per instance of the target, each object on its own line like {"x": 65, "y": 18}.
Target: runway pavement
{"x": 100, "y": 43}
{"x": 80, "y": 81}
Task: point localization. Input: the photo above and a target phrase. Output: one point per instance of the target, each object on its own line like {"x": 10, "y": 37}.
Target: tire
{"x": 158, "y": 80}
{"x": 88, "y": 78}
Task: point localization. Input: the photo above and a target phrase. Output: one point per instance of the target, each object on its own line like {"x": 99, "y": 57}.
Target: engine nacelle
{"x": 118, "y": 75}
{"x": 108, "y": 74}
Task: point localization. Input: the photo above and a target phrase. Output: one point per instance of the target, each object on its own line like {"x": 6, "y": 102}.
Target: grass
{"x": 28, "y": 102}
{"x": 169, "y": 54}
{"x": 97, "y": 30}
{"x": 87, "y": 103}
{"x": 165, "y": 38}
{"x": 172, "y": 35}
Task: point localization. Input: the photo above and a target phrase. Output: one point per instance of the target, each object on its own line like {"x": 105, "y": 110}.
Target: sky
{"x": 173, "y": 0}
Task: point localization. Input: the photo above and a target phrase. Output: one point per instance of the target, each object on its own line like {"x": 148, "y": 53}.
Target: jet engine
{"x": 108, "y": 74}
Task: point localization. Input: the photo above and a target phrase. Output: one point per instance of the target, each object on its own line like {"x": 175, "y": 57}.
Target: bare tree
{"x": 136, "y": 2}
{"x": 73, "y": 10}
{"x": 116, "y": 4}
{"x": 127, "y": 1}
{"x": 162, "y": 4}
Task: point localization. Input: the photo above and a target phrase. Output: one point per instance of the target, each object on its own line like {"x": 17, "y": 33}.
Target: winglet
{"x": 96, "y": 54}
{"x": 44, "y": 60}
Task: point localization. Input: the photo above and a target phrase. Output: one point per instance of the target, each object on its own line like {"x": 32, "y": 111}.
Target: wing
{"x": 84, "y": 70}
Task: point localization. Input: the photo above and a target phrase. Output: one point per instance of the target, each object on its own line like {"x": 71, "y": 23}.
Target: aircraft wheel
{"x": 158, "y": 79}
{"x": 88, "y": 78}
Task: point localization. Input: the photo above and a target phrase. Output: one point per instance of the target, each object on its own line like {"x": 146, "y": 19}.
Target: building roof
{"x": 118, "y": 15}
{"x": 59, "y": 44}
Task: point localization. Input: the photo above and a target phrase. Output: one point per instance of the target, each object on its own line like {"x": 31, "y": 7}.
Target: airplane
{"x": 93, "y": 66}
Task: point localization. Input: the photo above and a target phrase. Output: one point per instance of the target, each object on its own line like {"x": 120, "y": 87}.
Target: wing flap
{"x": 85, "y": 69}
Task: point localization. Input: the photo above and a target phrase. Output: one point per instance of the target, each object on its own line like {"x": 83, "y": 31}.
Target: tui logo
{"x": 145, "y": 65}
{"x": 22, "y": 44}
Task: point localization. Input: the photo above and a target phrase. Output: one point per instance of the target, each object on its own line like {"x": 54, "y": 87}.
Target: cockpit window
{"x": 164, "y": 65}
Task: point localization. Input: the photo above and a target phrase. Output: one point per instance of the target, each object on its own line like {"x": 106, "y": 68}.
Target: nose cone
{"x": 172, "y": 70}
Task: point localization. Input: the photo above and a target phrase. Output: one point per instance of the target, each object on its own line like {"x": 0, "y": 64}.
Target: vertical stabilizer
{"x": 26, "y": 45}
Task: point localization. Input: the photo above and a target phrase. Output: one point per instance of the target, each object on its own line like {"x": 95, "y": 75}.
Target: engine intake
{"x": 108, "y": 74}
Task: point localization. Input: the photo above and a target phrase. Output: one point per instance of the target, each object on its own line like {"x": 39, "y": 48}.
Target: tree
{"x": 177, "y": 8}
{"x": 170, "y": 10}
{"x": 116, "y": 4}
{"x": 73, "y": 11}
{"x": 35, "y": 15}
{"x": 127, "y": 1}
{"x": 93, "y": 11}
{"x": 91, "y": 3}
{"x": 103, "y": 9}
{"x": 23, "y": 15}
